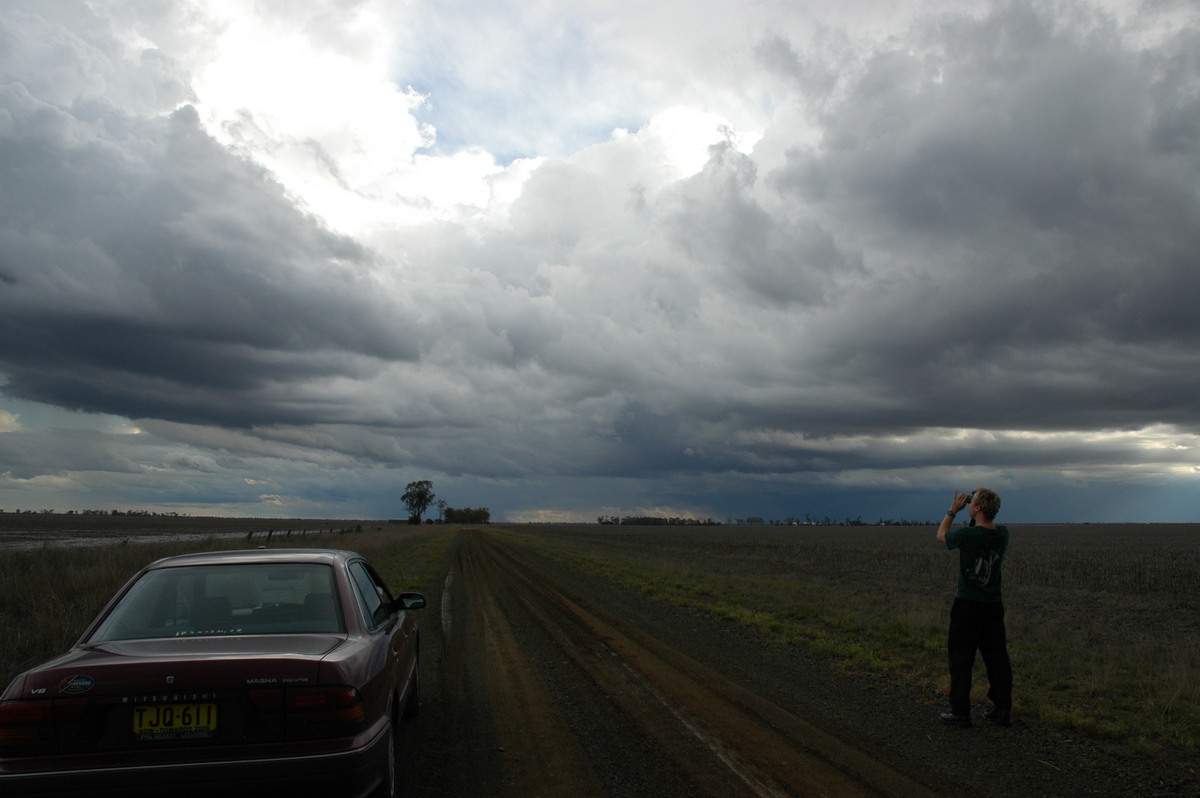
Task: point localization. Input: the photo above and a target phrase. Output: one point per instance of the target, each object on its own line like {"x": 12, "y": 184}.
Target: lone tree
{"x": 417, "y": 497}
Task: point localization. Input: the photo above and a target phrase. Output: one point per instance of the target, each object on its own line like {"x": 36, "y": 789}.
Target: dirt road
{"x": 539, "y": 682}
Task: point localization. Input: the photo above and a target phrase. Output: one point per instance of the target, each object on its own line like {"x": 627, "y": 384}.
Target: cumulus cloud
{"x": 570, "y": 259}
{"x": 148, "y": 270}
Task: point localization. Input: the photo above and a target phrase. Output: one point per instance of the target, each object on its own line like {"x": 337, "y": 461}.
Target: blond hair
{"x": 988, "y": 502}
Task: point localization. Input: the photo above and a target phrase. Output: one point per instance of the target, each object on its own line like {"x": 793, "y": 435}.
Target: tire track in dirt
{"x": 719, "y": 739}
{"x": 540, "y": 755}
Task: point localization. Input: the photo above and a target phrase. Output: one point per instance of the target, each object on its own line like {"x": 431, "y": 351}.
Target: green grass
{"x": 414, "y": 566}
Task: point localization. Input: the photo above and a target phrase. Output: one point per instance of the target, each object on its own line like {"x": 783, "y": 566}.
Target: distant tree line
{"x": 467, "y": 515}
{"x": 656, "y": 520}
{"x": 419, "y": 495}
{"x": 754, "y": 520}
{"x": 128, "y": 513}
{"x": 812, "y": 520}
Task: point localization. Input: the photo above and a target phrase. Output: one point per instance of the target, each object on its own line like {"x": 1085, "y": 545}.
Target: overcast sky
{"x": 601, "y": 257}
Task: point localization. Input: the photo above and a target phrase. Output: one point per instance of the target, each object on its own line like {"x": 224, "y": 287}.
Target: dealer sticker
{"x": 73, "y": 685}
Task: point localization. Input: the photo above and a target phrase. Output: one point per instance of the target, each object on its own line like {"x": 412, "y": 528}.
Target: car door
{"x": 386, "y": 620}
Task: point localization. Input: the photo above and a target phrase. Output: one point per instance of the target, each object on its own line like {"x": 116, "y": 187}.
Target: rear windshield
{"x": 205, "y": 600}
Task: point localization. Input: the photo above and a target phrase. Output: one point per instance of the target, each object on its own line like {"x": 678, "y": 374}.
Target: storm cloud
{"x": 764, "y": 261}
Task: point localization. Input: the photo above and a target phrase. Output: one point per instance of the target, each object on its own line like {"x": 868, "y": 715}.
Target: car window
{"x": 242, "y": 599}
{"x": 374, "y": 598}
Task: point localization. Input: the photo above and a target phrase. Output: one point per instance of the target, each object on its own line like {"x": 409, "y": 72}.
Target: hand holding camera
{"x": 960, "y": 501}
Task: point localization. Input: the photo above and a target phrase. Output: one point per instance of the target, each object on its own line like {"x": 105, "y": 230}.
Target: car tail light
{"x": 329, "y": 706}
{"x": 311, "y": 711}
{"x": 31, "y": 722}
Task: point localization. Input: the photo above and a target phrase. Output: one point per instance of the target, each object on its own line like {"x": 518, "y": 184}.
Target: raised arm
{"x": 957, "y": 503}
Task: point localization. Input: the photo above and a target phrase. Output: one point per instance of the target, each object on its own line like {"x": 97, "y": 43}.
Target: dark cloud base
{"x": 966, "y": 251}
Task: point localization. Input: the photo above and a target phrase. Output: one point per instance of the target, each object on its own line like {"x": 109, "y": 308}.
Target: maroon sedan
{"x": 279, "y": 672}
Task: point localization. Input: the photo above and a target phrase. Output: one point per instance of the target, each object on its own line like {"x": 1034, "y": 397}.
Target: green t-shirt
{"x": 980, "y": 555}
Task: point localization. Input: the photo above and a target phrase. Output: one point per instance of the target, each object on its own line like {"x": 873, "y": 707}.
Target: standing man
{"x": 977, "y": 616}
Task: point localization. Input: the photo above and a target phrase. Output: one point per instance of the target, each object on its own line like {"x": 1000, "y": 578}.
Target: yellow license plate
{"x": 174, "y": 721}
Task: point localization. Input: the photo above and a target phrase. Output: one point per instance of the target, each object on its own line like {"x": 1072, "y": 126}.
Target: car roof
{"x": 256, "y": 556}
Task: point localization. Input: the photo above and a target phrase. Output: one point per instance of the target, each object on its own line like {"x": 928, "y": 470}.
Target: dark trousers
{"x": 978, "y": 625}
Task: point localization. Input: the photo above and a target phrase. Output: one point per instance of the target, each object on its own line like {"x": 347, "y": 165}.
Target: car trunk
{"x": 193, "y": 692}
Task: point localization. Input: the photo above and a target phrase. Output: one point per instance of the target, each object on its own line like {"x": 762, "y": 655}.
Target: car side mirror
{"x": 410, "y": 601}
